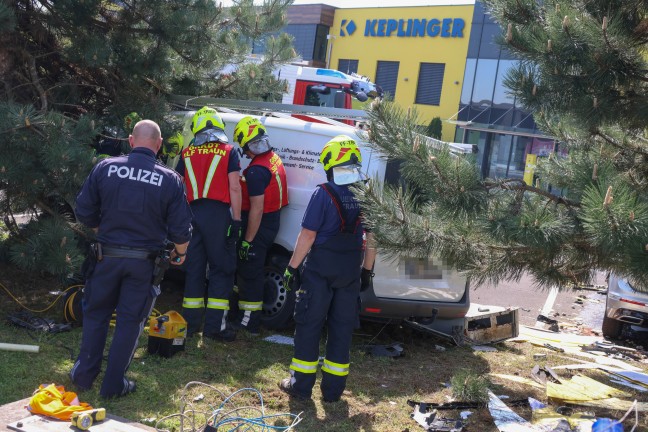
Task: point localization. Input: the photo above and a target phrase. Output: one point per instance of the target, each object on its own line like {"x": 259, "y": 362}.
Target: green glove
{"x": 245, "y": 251}
{"x": 289, "y": 278}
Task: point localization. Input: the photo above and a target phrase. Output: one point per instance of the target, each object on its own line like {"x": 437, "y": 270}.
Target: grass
{"x": 375, "y": 399}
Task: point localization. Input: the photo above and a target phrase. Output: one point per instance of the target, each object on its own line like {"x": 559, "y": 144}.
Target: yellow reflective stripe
{"x": 304, "y": 366}
{"x": 280, "y": 189}
{"x": 210, "y": 174}
{"x": 214, "y": 303}
{"x": 251, "y": 306}
{"x": 192, "y": 178}
{"x": 338, "y": 369}
{"x": 193, "y": 302}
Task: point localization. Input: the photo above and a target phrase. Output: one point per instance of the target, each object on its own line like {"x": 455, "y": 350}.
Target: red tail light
{"x": 373, "y": 310}
{"x": 632, "y": 302}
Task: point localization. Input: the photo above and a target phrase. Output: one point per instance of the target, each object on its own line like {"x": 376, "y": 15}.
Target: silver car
{"x": 624, "y": 305}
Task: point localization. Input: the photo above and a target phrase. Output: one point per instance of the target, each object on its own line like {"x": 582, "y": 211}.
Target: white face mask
{"x": 348, "y": 174}
{"x": 210, "y": 135}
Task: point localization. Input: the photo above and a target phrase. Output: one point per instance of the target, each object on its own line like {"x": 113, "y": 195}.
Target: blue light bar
{"x": 331, "y": 73}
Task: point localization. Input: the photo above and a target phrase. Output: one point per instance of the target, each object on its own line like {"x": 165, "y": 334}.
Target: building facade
{"x": 442, "y": 61}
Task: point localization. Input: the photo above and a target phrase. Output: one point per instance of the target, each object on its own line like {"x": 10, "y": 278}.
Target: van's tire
{"x": 278, "y": 304}
{"x": 611, "y": 328}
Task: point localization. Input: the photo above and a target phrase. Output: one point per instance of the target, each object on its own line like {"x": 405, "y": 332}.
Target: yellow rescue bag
{"x": 53, "y": 401}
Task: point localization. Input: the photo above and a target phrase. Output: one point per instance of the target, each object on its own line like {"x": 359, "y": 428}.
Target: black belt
{"x": 124, "y": 252}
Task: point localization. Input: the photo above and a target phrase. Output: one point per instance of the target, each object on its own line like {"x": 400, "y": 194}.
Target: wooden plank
{"x": 37, "y": 423}
{"x": 12, "y": 412}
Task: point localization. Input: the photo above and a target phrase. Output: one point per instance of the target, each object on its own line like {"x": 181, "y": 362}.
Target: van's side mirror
{"x": 361, "y": 96}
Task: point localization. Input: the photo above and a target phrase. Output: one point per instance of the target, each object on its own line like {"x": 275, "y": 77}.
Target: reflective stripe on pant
{"x": 123, "y": 284}
{"x": 330, "y": 286}
{"x": 251, "y": 273}
{"x": 211, "y": 220}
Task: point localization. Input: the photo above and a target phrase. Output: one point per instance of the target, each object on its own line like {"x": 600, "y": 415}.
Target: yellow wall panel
{"x": 365, "y": 45}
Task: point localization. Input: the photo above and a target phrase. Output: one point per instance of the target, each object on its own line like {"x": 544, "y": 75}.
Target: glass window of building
{"x": 319, "y": 49}
{"x": 430, "y": 83}
{"x": 348, "y": 66}
{"x": 488, "y": 48}
{"x": 475, "y": 40}
{"x": 304, "y": 39}
{"x": 482, "y": 95}
{"x": 500, "y": 155}
{"x": 503, "y": 102}
{"x": 387, "y": 76}
{"x": 466, "y": 89}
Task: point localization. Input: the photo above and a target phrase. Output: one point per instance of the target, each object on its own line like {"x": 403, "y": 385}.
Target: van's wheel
{"x": 278, "y": 304}
{"x": 611, "y": 328}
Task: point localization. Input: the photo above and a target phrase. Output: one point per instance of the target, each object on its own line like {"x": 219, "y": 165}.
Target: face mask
{"x": 210, "y": 135}
{"x": 348, "y": 174}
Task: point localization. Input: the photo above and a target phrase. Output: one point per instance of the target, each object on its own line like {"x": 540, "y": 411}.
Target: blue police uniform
{"x": 251, "y": 273}
{"x": 136, "y": 204}
{"x": 329, "y": 291}
{"x": 210, "y": 245}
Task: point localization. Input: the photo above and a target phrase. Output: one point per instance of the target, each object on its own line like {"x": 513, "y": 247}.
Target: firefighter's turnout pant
{"x": 251, "y": 274}
{"x": 329, "y": 293}
{"x": 209, "y": 246}
{"x": 117, "y": 283}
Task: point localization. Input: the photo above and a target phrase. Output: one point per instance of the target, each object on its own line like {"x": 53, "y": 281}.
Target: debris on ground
{"x": 561, "y": 419}
{"x": 505, "y": 418}
{"x": 431, "y": 421}
{"x": 394, "y": 350}
{"x": 35, "y": 323}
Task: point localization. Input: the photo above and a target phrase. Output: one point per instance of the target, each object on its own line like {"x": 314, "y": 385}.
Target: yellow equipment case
{"x": 167, "y": 334}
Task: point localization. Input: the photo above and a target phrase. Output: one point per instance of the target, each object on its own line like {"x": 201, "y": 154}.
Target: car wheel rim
{"x": 274, "y": 294}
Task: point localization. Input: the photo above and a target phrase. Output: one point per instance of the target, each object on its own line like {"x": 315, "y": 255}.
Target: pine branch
{"x": 520, "y": 185}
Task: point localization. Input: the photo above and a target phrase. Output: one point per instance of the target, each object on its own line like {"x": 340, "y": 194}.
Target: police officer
{"x": 211, "y": 171}
{"x": 265, "y": 192}
{"x": 133, "y": 204}
{"x": 331, "y": 240}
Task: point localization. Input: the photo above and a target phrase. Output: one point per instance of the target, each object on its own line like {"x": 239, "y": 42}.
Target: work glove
{"x": 245, "y": 251}
{"x": 366, "y": 279}
{"x": 289, "y": 278}
{"x": 234, "y": 232}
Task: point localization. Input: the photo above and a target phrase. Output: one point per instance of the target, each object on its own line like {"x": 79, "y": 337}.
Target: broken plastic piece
{"x": 430, "y": 422}
{"x": 553, "y": 324}
{"x": 393, "y": 350}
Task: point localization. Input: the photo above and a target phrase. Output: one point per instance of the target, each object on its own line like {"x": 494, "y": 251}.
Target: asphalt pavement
{"x": 569, "y": 306}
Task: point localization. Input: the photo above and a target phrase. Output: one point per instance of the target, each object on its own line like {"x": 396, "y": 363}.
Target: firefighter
{"x": 265, "y": 192}
{"x": 210, "y": 168}
{"x": 331, "y": 241}
{"x": 133, "y": 204}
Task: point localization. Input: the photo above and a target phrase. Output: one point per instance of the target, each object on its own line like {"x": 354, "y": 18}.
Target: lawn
{"x": 377, "y": 391}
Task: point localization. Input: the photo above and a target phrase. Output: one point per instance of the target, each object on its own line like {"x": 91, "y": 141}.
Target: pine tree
{"x": 435, "y": 128}
{"x": 583, "y": 73}
{"x": 69, "y": 68}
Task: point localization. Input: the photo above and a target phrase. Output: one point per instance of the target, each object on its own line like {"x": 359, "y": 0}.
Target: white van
{"x": 422, "y": 292}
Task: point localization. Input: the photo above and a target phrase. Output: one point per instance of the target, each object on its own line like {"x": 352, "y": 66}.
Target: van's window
{"x": 392, "y": 173}
{"x": 330, "y": 97}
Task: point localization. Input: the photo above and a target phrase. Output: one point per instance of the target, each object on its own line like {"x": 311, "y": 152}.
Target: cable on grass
{"x": 227, "y": 416}
{"x": 41, "y": 310}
